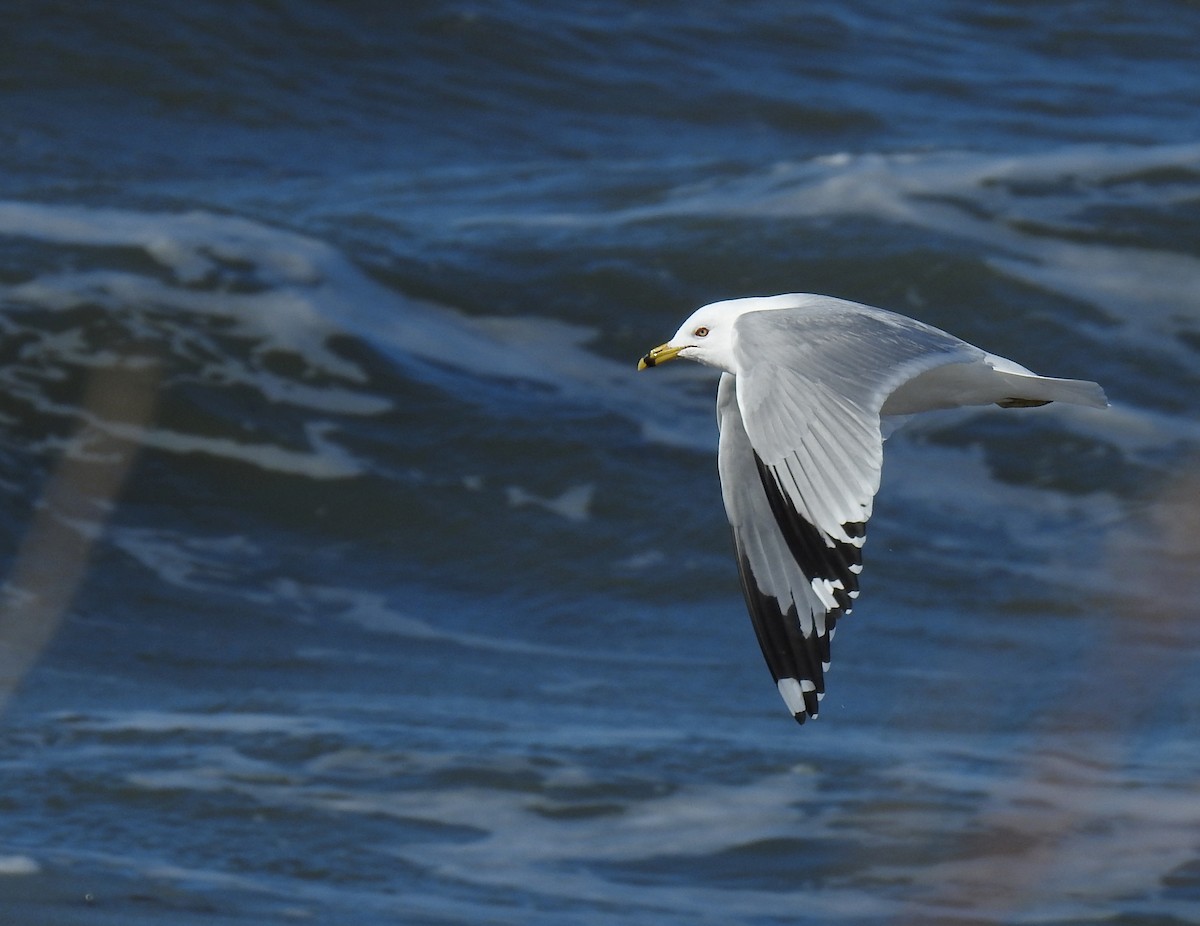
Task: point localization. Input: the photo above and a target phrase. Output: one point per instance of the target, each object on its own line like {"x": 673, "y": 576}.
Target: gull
{"x": 810, "y": 387}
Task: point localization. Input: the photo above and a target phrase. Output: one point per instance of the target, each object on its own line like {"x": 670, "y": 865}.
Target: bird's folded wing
{"x": 800, "y": 459}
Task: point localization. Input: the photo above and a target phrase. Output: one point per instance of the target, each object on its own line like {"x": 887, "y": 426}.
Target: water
{"x": 354, "y": 576}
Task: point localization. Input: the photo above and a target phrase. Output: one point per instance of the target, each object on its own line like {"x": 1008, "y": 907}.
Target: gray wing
{"x": 800, "y": 458}
{"x": 782, "y": 561}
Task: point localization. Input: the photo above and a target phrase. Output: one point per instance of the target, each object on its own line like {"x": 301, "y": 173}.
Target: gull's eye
{"x": 701, "y": 332}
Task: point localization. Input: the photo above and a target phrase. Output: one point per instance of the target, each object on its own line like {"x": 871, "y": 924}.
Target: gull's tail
{"x": 1029, "y": 389}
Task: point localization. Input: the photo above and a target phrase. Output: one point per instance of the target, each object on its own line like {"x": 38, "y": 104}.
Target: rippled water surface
{"x": 355, "y": 576}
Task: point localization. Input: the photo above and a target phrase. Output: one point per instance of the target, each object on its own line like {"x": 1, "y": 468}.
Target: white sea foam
{"x": 185, "y": 561}
{"x": 1147, "y": 296}
{"x": 572, "y": 504}
{"x": 524, "y": 845}
{"x": 978, "y": 198}
{"x": 374, "y": 612}
{"x": 309, "y": 292}
{"x": 1148, "y": 293}
{"x": 951, "y": 484}
{"x": 1057, "y": 825}
{"x": 1070, "y": 827}
{"x": 316, "y": 292}
{"x": 18, "y": 865}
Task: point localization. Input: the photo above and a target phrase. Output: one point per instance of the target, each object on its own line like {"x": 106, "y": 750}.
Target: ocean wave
{"x": 238, "y": 294}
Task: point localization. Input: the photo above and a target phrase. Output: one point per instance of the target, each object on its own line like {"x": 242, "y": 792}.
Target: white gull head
{"x": 707, "y": 335}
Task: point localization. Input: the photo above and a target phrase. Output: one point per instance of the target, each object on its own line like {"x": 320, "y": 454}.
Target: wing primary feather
{"x": 770, "y": 625}
{"x": 818, "y": 555}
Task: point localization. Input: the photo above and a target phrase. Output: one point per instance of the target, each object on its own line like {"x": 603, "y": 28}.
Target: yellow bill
{"x": 660, "y": 354}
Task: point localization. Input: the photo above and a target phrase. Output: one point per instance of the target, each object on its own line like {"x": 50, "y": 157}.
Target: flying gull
{"x": 809, "y": 387}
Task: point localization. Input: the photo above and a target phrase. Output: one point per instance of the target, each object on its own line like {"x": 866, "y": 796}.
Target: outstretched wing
{"x": 784, "y": 563}
{"x": 800, "y": 458}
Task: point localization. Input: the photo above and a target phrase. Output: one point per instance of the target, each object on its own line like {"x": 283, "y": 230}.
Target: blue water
{"x": 354, "y": 576}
